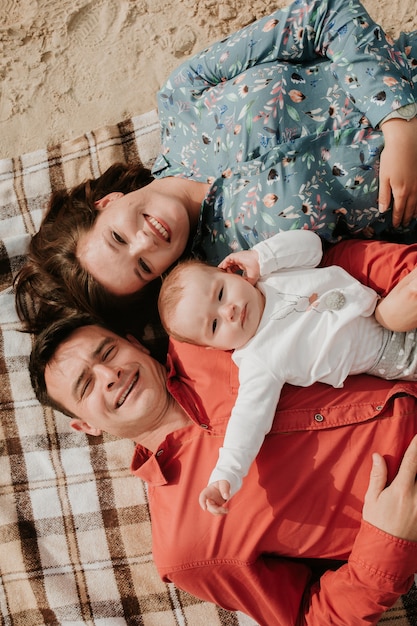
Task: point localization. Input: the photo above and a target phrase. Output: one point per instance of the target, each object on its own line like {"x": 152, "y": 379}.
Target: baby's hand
{"x": 214, "y": 496}
{"x": 246, "y": 260}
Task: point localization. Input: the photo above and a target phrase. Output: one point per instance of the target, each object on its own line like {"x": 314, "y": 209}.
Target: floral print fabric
{"x": 281, "y": 118}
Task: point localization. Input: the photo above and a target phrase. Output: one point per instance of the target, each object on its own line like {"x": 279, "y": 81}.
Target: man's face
{"x": 110, "y": 383}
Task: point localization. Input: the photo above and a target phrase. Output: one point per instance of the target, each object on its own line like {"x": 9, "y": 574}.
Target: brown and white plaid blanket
{"x": 75, "y": 533}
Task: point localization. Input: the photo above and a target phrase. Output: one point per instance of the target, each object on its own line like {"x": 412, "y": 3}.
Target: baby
{"x": 287, "y": 321}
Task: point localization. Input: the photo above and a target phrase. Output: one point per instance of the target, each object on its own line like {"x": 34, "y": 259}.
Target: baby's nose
{"x": 228, "y": 311}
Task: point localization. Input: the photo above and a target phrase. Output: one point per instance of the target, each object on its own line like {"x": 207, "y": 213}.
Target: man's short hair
{"x": 44, "y": 347}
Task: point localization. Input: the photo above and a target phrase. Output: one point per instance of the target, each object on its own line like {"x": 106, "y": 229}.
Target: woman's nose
{"x": 142, "y": 242}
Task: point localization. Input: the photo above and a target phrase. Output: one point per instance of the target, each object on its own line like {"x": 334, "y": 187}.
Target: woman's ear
{"x": 84, "y": 427}
{"x": 110, "y": 197}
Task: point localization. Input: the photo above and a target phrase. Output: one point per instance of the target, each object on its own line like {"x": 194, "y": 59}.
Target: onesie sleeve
{"x": 250, "y": 420}
{"x": 289, "y": 249}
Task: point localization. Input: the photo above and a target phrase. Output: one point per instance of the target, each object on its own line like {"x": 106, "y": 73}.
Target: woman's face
{"x": 135, "y": 238}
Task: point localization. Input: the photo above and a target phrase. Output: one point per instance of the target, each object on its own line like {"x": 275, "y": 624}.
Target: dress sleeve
{"x": 278, "y": 592}
{"x": 373, "y": 72}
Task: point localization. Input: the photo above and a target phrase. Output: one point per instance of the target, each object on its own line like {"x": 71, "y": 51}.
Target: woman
{"x": 274, "y": 128}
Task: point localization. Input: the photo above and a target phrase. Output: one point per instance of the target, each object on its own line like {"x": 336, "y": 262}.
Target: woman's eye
{"x": 117, "y": 237}
{"x": 220, "y": 294}
{"x": 214, "y": 326}
{"x": 144, "y": 267}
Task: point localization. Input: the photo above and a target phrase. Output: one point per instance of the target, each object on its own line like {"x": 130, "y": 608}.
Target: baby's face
{"x": 218, "y": 309}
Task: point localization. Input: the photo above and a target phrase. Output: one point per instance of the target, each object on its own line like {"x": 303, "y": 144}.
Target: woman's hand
{"x": 246, "y": 261}
{"x": 393, "y": 509}
{"x": 398, "y": 170}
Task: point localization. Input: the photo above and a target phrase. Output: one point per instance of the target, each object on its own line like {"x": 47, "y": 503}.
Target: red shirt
{"x": 302, "y": 497}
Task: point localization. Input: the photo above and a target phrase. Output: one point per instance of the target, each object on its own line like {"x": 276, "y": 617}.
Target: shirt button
{"x": 203, "y": 425}
{"x": 319, "y": 417}
{"x": 159, "y": 452}
{"x": 379, "y": 407}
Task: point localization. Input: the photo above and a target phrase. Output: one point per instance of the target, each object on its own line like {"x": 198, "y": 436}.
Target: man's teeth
{"x": 126, "y": 393}
{"x": 159, "y": 228}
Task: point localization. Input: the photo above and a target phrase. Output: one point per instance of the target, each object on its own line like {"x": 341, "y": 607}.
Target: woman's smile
{"x": 161, "y": 230}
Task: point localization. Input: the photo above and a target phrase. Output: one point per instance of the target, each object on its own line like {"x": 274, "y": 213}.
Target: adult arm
{"x": 277, "y": 592}
{"x": 395, "y": 177}
{"x": 369, "y": 67}
{"x": 372, "y": 71}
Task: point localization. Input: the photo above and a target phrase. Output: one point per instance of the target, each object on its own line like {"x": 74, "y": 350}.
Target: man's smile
{"x": 126, "y": 390}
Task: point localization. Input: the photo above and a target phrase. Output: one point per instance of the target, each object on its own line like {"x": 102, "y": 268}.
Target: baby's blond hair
{"x": 171, "y": 291}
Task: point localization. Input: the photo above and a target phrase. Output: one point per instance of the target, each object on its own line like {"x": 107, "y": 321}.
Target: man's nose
{"x": 106, "y": 374}
{"x": 142, "y": 242}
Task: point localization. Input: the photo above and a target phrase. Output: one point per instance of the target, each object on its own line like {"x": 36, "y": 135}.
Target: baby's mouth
{"x": 243, "y": 315}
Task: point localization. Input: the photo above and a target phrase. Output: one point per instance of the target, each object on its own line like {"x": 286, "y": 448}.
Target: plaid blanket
{"x": 75, "y": 533}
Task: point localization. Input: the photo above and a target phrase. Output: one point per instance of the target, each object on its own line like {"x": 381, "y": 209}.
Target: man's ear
{"x": 110, "y": 197}
{"x": 84, "y": 427}
{"x": 137, "y": 343}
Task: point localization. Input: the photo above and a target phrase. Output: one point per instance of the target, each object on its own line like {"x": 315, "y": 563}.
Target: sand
{"x": 70, "y": 66}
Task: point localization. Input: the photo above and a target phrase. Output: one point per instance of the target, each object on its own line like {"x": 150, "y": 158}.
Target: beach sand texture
{"x": 70, "y": 66}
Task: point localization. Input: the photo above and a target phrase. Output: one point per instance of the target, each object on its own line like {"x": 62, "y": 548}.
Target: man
{"x": 302, "y": 498}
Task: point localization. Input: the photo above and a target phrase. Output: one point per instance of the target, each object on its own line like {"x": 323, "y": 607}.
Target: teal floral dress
{"x": 281, "y": 118}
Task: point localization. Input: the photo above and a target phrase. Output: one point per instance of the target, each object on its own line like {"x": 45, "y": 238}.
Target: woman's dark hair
{"x": 53, "y": 283}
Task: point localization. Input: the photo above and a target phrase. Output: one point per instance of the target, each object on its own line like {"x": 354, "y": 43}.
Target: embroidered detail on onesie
{"x": 331, "y": 301}
{"x": 291, "y": 303}
{"x": 334, "y": 301}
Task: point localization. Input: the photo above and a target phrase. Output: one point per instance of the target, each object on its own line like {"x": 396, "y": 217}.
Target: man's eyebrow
{"x": 99, "y": 348}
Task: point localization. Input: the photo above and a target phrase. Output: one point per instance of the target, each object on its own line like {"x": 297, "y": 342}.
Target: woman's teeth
{"x": 159, "y": 228}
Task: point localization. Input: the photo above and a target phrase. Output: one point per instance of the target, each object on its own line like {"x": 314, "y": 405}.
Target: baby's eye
{"x": 220, "y": 294}
{"x": 214, "y": 326}
{"x": 117, "y": 237}
{"x": 144, "y": 267}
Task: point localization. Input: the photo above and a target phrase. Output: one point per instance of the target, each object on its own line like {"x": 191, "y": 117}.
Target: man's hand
{"x": 214, "y": 496}
{"x": 245, "y": 260}
{"x": 398, "y": 175}
{"x": 393, "y": 509}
